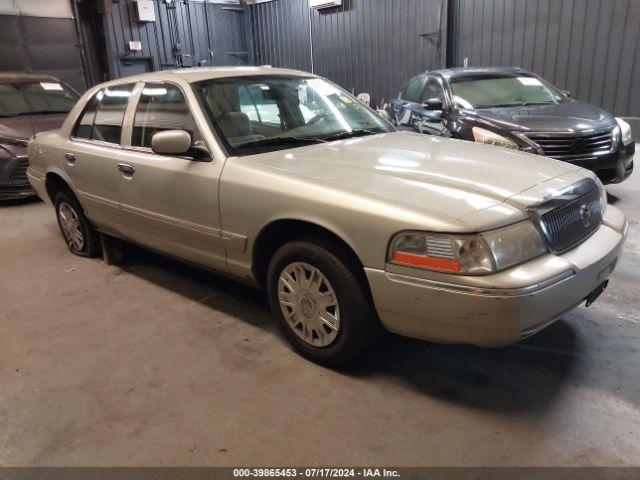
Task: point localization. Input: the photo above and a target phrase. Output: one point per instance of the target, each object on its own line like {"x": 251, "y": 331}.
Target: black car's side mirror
{"x": 432, "y": 104}
{"x": 432, "y": 110}
{"x": 567, "y": 93}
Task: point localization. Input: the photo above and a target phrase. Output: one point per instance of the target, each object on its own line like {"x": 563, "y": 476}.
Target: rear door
{"x": 170, "y": 203}
{"x": 92, "y": 154}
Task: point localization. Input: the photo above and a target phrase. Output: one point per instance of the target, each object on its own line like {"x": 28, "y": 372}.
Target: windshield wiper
{"x": 294, "y": 140}
{"x": 519, "y": 104}
{"x": 278, "y": 141}
{"x": 352, "y": 133}
{"x": 528, "y": 104}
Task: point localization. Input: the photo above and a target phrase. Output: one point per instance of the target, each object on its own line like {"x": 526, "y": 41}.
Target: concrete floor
{"x": 157, "y": 363}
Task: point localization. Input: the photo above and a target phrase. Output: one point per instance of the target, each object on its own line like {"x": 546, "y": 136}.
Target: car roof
{"x": 207, "y": 73}
{"x": 449, "y": 73}
{"x": 16, "y": 77}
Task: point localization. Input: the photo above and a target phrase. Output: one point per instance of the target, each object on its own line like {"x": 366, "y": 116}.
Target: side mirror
{"x": 171, "y": 142}
{"x": 432, "y": 104}
{"x": 177, "y": 142}
{"x": 566, "y": 92}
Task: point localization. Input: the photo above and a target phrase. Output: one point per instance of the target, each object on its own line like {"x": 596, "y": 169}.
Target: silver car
{"x": 283, "y": 180}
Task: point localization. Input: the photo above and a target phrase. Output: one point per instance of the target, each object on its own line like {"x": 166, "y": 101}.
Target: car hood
{"x": 429, "y": 174}
{"x": 23, "y": 127}
{"x": 569, "y": 116}
{"x": 16, "y": 131}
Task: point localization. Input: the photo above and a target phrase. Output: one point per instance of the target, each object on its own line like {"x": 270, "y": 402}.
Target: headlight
{"x": 625, "y": 130}
{"x": 482, "y": 135}
{"x": 476, "y": 254}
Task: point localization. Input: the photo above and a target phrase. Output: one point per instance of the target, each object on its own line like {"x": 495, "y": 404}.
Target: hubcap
{"x": 71, "y": 227}
{"x": 309, "y": 304}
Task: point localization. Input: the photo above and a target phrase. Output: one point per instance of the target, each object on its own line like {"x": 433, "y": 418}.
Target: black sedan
{"x": 514, "y": 108}
{"x": 29, "y": 103}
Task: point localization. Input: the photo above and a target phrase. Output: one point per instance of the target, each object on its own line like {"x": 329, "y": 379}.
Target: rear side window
{"x": 107, "y": 125}
{"x": 413, "y": 92}
{"x": 84, "y": 127}
{"x": 161, "y": 107}
{"x": 103, "y": 116}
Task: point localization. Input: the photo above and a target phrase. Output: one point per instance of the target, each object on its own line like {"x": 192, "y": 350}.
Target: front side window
{"x": 30, "y": 98}
{"x": 503, "y": 91}
{"x": 433, "y": 89}
{"x": 162, "y": 107}
{"x": 413, "y": 92}
{"x": 254, "y": 114}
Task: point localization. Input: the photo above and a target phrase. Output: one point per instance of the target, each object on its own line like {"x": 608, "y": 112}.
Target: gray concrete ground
{"x": 156, "y": 363}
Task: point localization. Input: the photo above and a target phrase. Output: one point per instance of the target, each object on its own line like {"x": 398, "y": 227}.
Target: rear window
{"x": 102, "y": 118}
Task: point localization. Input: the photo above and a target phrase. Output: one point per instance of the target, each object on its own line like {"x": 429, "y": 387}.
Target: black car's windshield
{"x": 263, "y": 113}
{"x": 30, "y": 98}
{"x": 502, "y": 91}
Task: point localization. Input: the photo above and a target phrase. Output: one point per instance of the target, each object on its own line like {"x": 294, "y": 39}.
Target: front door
{"x": 170, "y": 203}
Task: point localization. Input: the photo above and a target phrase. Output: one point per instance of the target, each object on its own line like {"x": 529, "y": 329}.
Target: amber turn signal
{"x": 421, "y": 261}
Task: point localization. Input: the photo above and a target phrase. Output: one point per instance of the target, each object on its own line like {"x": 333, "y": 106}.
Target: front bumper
{"x": 13, "y": 180}
{"x": 614, "y": 167}
{"x": 503, "y": 308}
{"x": 15, "y": 192}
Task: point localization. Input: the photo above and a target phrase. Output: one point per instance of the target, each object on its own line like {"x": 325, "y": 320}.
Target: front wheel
{"x": 80, "y": 236}
{"x": 320, "y": 304}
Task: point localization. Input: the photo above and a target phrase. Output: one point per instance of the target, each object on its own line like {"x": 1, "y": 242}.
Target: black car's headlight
{"x": 625, "y": 130}
{"x": 482, "y": 135}
{"x": 474, "y": 254}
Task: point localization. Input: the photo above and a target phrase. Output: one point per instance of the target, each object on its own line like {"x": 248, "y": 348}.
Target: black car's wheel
{"x": 80, "y": 236}
{"x": 319, "y": 303}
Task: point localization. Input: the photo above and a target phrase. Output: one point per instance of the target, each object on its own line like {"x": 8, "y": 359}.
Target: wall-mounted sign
{"x": 135, "y": 46}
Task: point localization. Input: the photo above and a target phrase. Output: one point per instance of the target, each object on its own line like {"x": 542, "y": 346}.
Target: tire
{"x": 80, "y": 236}
{"x": 303, "y": 276}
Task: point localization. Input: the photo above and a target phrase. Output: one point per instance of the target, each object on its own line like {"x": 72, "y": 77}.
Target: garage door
{"x": 41, "y": 37}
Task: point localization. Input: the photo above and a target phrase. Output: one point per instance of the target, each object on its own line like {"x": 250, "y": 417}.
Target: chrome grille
{"x": 570, "y": 147}
{"x": 19, "y": 173}
{"x": 572, "y": 220}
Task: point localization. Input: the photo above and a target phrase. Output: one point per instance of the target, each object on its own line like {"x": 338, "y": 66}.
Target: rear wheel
{"x": 319, "y": 302}
{"x": 80, "y": 236}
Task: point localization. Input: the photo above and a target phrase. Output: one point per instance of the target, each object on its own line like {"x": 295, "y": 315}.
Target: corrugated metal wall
{"x": 589, "y": 47}
{"x": 281, "y": 33}
{"x": 184, "y": 34}
{"x": 367, "y": 46}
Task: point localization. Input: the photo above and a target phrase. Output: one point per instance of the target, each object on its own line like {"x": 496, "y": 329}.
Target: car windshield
{"x": 29, "y": 98}
{"x": 255, "y": 114}
{"x": 503, "y": 91}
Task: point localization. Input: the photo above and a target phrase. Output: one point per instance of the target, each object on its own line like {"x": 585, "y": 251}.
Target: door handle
{"x": 70, "y": 157}
{"x": 126, "y": 168}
